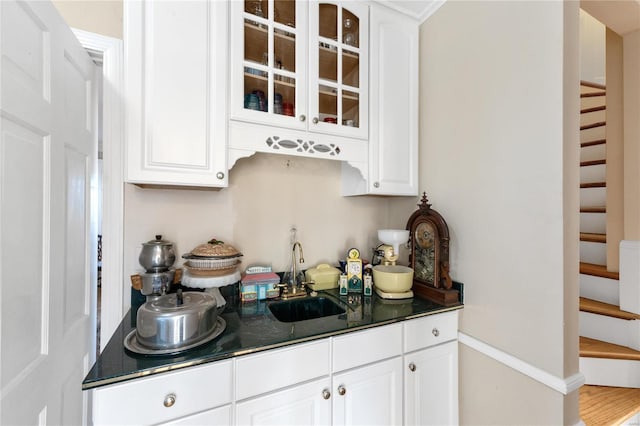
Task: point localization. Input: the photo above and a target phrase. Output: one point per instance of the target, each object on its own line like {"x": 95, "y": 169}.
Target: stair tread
{"x": 593, "y": 109}
{"x": 592, "y": 94}
{"x": 592, "y": 348}
{"x": 593, "y": 125}
{"x": 606, "y": 405}
{"x": 592, "y": 143}
{"x": 593, "y": 85}
{"x": 593, "y": 185}
{"x": 598, "y": 271}
{"x": 601, "y": 308}
{"x": 593, "y": 238}
{"x": 597, "y": 209}
{"x": 592, "y": 163}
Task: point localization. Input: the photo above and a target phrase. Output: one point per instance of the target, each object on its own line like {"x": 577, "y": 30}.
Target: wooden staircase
{"x": 609, "y": 337}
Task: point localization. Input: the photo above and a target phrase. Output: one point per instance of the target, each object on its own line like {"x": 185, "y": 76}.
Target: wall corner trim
{"x": 563, "y": 385}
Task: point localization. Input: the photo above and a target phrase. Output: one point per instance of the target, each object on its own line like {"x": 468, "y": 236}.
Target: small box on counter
{"x": 258, "y": 286}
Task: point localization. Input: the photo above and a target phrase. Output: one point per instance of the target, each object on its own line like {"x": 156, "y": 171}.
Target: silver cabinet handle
{"x": 412, "y": 367}
{"x": 220, "y": 175}
{"x": 435, "y": 332}
{"x": 315, "y": 120}
{"x": 376, "y": 184}
{"x": 341, "y": 390}
{"x": 303, "y": 117}
{"x": 169, "y": 400}
{"x": 326, "y": 394}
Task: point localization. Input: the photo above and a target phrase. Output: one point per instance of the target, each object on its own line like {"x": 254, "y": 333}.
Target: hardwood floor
{"x": 605, "y": 406}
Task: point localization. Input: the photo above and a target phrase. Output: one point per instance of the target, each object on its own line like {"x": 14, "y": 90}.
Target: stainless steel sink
{"x": 305, "y": 309}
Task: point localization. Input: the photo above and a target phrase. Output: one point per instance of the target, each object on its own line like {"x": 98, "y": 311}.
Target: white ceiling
{"x": 622, "y": 16}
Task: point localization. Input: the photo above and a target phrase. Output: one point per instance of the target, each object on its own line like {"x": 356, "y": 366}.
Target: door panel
{"x": 47, "y": 164}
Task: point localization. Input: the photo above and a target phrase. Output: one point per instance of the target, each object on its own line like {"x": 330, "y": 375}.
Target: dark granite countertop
{"x": 251, "y": 328}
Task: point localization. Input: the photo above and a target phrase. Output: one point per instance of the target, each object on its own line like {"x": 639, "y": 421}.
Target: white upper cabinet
{"x": 299, "y": 79}
{"x": 393, "y": 130}
{"x": 175, "y": 92}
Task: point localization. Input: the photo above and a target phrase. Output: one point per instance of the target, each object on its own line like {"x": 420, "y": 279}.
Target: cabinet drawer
{"x": 275, "y": 369}
{"x": 431, "y": 330}
{"x": 355, "y": 349}
{"x": 142, "y": 401}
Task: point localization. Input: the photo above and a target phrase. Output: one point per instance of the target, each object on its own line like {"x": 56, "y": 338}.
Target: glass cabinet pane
{"x": 350, "y": 110}
{"x": 350, "y": 29}
{"x": 284, "y": 12}
{"x": 350, "y": 68}
{"x": 339, "y": 66}
{"x": 328, "y": 20}
{"x": 270, "y": 56}
{"x": 257, "y": 7}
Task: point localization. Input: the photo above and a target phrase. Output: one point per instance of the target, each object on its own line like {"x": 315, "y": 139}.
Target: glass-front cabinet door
{"x": 338, "y": 64}
{"x": 269, "y": 64}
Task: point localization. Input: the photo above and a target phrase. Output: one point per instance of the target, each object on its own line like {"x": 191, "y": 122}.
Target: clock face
{"x": 353, "y": 253}
{"x": 424, "y": 252}
{"x": 355, "y": 268}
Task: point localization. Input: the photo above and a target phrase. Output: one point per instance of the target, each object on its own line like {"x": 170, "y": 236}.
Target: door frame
{"x": 112, "y": 297}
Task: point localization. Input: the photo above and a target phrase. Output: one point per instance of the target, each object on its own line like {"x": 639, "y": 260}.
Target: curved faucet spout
{"x": 294, "y": 278}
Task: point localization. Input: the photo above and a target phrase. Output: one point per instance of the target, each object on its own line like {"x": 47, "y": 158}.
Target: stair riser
{"x": 595, "y": 223}
{"x": 610, "y": 372}
{"x": 587, "y": 135}
{"x": 593, "y": 252}
{"x": 633, "y": 421}
{"x": 601, "y": 289}
{"x": 595, "y": 173}
{"x": 592, "y": 101}
{"x": 593, "y": 152}
{"x": 593, "y": 197}
{"x": 592, "y": 117}
{"x": 609, "y": 329}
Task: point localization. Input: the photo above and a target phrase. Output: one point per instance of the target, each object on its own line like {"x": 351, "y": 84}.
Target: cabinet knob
{"x": 326, "y": 394}
{"x": 169, "y": 400}
{"x": 220, "y": 175}
{"x": 341, "y": 390}
{"x": 376, "y": 184}
{"x": 435, "y": 332}
{"x": 315, "y": 120}
{"x": 303, "y": 117}
{"x": 412, "y": 366}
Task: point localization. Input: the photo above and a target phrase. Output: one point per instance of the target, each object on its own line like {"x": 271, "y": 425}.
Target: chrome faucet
{"x": 294, "y": 278}
{"x": 291, "y": 287}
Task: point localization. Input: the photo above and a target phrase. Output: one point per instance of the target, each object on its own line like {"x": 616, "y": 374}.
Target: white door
{"x": 47, "y": 242}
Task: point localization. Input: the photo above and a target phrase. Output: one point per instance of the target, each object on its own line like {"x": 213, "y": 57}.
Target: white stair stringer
{"x": 610, "y": 372}
{"x": 606, "y": 290}
{"x": 618, "y": 331}
{"x": 591, "y": 252}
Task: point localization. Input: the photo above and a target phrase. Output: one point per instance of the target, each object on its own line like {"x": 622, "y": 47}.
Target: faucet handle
{"x": 284, "y": 288}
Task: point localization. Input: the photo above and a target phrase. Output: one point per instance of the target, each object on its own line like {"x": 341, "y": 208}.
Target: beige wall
{"x": 267, "y": 195}
{"x": 592, "y": 49}
{"x": 498, "y": 158}
{"x": 631, "y": 71}
{"x": 101, "y": 17}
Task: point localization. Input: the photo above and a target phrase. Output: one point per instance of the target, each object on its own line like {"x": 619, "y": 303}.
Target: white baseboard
{"x": 563, "y": 385}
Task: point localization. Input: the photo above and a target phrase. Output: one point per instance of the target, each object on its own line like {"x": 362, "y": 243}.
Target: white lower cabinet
{"x": 168, "y": 397}
{"x": 431, "y": 386}
{"x": 402, "y": 373}
{"x": 370, "y": 395}
{"x": 306, "y": 404}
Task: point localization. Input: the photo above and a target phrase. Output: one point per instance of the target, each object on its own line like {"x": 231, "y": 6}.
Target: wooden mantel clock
{"x": 429, "y": 256}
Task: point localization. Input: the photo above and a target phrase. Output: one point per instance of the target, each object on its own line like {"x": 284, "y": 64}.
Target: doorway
{"x": 109, "y": 53}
